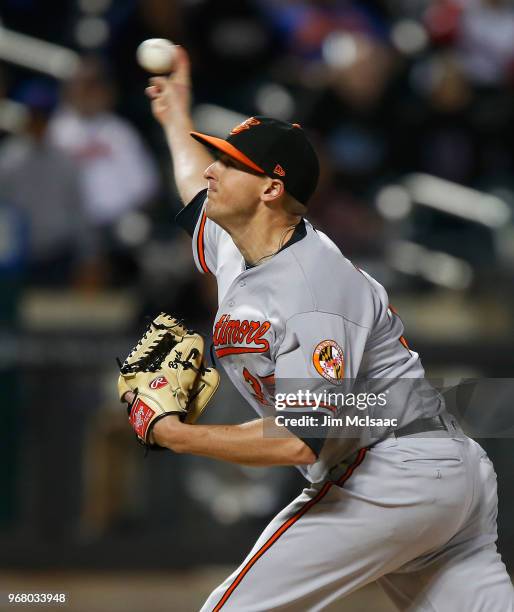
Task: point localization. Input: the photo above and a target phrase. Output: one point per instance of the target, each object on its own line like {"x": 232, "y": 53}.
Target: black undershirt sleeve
{"x": 314, "y": 435}
{"x": 188, "y": 217}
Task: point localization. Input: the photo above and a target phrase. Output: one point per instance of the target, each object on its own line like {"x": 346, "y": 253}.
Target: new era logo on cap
{"x": 272, "y": 147}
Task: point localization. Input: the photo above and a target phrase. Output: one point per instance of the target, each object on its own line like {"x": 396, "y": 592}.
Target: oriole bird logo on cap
{"x": 246, "y": 125}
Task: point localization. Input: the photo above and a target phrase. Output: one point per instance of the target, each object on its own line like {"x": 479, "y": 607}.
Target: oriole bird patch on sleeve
{"x": 328, "y": 360}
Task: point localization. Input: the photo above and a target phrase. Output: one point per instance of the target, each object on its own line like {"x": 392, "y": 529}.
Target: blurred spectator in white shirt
{"x": 118, "y": 173}
{"x": 43, "y": 185}
{"x": 486, "y": 41}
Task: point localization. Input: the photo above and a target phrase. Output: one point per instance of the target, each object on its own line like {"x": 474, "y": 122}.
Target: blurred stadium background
{"x": 411, "y": 106}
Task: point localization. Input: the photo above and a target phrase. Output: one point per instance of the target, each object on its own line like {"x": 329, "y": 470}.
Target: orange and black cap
{"x": 274, "y": 148}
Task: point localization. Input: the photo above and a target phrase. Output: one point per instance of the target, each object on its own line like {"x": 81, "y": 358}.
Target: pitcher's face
{"x": 233, "y": 191}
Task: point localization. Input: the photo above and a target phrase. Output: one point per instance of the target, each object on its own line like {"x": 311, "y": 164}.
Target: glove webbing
{"x": 154, "y": 355}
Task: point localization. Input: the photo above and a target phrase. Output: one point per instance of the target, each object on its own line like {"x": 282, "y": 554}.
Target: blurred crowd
{"x": 386, "y": 88}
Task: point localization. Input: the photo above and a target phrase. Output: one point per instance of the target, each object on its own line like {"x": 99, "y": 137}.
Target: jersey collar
{"x": 300, "y": 231}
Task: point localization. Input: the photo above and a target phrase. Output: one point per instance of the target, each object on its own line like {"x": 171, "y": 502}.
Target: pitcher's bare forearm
{"x": 189, "y": 157}
{"x": 171, "y": 106}
{"x": 243, "y": 444}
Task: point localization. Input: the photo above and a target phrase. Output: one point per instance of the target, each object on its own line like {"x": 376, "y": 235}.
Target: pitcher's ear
{"x": 275, "y": 189}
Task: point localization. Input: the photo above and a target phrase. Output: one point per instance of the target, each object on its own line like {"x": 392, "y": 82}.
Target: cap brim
{"x": 225, "y": 147}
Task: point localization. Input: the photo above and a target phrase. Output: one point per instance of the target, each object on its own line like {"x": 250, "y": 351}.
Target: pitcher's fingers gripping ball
{"x": 167, "y": 375}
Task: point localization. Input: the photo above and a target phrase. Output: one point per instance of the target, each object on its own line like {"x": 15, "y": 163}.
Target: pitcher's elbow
{"x": 305, "y": 454}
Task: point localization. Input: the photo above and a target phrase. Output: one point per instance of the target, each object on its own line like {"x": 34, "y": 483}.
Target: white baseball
{"x": 156, "y": 55}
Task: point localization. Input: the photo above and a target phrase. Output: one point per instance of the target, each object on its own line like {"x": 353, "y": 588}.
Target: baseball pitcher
{"x": 395, "y": 492}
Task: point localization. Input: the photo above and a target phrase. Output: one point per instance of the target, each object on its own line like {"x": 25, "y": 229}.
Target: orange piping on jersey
{"x": 402, "y": 339}
{"x": 281, "y": 530}
{"x": 238, "y": 350}
{"x": 404, "y": 342}
{"x": 200, "y": 247}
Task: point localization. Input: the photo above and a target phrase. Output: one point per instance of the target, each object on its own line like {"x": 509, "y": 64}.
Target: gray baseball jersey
{"x": 419, "y": 516}
{"x": 308, "y": 319}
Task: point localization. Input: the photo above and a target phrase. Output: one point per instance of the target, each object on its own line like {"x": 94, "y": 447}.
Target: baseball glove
{"x": 167, "y": 374}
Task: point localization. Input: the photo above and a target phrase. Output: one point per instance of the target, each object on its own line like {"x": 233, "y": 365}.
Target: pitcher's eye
{"x": 228, "y": 161}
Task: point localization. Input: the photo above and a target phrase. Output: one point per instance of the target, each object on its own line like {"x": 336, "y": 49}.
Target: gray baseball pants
{"x": 417, "y": 514}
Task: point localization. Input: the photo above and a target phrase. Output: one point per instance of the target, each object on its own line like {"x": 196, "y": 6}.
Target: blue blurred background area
{"x": 410, "y": 104}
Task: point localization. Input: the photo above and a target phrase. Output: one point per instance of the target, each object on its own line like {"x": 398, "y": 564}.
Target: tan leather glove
{"x": 166, "y": 372}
